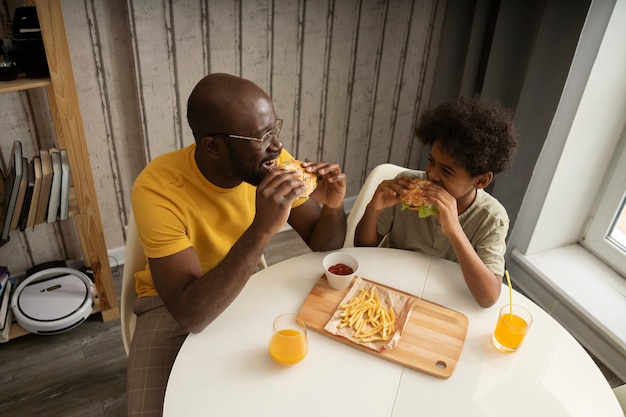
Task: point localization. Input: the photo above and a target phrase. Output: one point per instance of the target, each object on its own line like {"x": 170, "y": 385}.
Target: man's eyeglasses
{"x": 266, "y": 139}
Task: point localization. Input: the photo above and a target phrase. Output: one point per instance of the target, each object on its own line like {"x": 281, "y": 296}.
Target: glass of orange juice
{"x": 513, "y": 324}
{"x": 288, "y": 344}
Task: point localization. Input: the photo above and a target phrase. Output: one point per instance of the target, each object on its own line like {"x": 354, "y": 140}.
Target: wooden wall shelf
{"x": 70, "y": 135}
{"x": 23, "y": 83}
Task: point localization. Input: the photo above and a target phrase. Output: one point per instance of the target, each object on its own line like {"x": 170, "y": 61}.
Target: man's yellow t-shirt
{"x": 176, "y": 207}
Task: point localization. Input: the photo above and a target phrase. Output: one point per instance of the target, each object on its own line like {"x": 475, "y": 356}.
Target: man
{"x": 205, "y": 214}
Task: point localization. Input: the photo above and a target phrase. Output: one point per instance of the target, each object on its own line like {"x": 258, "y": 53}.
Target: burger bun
{"x": 308, "y": 178}
{"x": 414, "y": 200}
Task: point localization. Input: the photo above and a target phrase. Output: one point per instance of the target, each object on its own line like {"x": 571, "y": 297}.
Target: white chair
{"x": 135, "y": 260}
{"x": 620, "y": 393}
{"x": 376, "y": 176}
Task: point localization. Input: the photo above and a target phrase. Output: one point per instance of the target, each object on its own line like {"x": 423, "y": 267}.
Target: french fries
{"x": 369, "y": 319}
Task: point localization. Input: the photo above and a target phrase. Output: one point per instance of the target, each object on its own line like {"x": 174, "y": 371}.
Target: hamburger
{"x": 308, "y": 178}
{"x": 413, "y": 200}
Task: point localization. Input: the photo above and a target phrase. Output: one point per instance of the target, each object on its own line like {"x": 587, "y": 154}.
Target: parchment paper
{"x": 402, "y": 305}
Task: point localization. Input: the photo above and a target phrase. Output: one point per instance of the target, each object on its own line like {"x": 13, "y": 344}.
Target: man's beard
{"x": 241, "y": 170}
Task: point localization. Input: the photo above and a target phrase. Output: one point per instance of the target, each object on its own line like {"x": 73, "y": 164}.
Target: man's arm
{"x": 195, "y": 299}
{"x": 322, "y": 227}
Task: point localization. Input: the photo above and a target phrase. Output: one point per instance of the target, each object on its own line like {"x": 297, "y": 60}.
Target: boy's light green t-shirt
{"x": 485, "y": 224}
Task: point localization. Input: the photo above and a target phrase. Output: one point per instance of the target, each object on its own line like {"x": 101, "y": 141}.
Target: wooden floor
{"x": 83, "y": 372}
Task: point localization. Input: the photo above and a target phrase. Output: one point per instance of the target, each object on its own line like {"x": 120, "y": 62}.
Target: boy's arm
{"x": 483, "y": 284}
{"x": 365, "y": 233}
{"x": 387, "y": 194}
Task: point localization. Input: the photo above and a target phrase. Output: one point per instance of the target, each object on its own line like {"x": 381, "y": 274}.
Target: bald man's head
{"x": 224, "y": 103}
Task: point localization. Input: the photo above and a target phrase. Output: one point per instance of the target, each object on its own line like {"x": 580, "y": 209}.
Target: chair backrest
{"x": 376, "y": 176}
{"x": 134, "y": 260}
{"x": 620, "y": 393}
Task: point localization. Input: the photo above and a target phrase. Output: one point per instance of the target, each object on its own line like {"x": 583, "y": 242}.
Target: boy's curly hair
{"x": 479, "y": 133}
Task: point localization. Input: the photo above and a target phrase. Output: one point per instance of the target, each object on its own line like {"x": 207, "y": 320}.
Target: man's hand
{"x": 331, "y": 183}
{"x": 274, "y": 197}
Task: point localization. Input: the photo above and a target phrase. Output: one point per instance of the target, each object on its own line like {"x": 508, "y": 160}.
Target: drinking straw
{"x": 508, "y": 281}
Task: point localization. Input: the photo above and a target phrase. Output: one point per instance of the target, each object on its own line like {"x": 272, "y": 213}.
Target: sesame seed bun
{"x": 413, "y": 199}
{"x": 309, "y": 178}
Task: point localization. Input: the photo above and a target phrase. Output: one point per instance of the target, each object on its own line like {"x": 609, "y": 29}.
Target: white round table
{"x": 226, "y": 370}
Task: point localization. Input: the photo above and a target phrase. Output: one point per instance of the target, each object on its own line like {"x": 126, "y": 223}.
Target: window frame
{"x": 605, "y": 213}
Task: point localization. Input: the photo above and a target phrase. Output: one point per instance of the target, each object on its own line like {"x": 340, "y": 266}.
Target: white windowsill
{"x": 584, "y": 294}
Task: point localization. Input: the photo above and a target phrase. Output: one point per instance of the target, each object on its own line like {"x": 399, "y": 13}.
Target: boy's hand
{"x": 448, "y": 215}
{"x": 388, "y": 192}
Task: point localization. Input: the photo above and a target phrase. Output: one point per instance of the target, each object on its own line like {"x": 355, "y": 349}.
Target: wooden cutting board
{"x": 432, "y": 340}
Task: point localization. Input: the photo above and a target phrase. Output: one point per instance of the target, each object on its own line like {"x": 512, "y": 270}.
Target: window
{"x": 618, "y": 232}
{"x": 606, "y": 234}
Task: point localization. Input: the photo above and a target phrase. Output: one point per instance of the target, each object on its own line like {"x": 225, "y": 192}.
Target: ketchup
{"x": 340, "y": 269}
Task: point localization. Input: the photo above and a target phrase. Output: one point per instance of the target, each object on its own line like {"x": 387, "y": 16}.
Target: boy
{"x": 471, "y": 140}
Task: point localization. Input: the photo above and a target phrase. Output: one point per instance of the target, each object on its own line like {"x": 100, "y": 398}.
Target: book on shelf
{"x": 28, "y": 197}
{"x": 5, "y": 302}
{"x": 3, "y": 181}
{"x": 4, "y": 276}
{"x": 65, "y": 186}
{"x": 12, "y": 185}
{"x": 4, "y": 280}
{"x": 34, "y": 203}
{"x": 21, "y": 195}
{"x": 5, "y": 335}
{"x": 46, "y": 184}
{"x": 6, "y": 315}
{"x": 55, "y": 189}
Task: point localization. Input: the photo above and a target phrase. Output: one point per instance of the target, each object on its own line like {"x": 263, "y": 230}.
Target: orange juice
{"x": 288, "y": 346}
{"x": 510, "y": 331}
